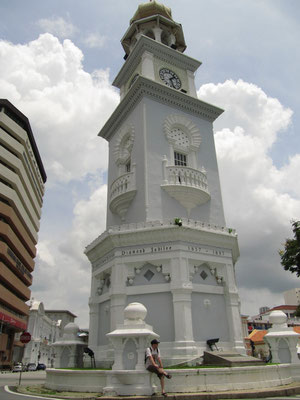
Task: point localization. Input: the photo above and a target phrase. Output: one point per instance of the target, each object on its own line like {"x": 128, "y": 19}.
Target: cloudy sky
{"x": 57, "y": 61}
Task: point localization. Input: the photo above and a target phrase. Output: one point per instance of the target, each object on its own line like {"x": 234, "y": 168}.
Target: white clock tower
{"x": 166, "y": 244}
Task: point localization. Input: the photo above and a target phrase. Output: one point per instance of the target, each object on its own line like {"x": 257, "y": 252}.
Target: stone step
{"x": 229, "y": 359}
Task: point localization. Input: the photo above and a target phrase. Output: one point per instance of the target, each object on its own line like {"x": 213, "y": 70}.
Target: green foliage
{"x": 297, "y": 313}
{"x": 290, "y": 256}
{"x": 178, "y": 221}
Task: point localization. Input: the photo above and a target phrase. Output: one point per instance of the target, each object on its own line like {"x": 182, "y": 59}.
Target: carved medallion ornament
{"x": 182, "y": 133}
{"x": 124, "y": 144}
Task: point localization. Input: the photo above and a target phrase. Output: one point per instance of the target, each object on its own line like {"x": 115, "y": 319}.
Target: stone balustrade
{"x": 122, "y": 192}
{"x": 122, "y": 185}
{"x": 175, "y": 175}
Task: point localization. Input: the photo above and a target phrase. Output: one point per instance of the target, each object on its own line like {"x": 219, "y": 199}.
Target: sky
{"x": 58, "y": 59}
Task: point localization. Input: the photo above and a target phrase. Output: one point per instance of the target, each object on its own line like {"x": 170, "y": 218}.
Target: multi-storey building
{"x": 45, "y": 328}
{"x": 63, "y": 317}
{"x": 22, "y": 178}
{"x": 292, "y": 296}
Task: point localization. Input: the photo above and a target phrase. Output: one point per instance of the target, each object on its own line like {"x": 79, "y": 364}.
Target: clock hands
{"x": 170, "y": 78}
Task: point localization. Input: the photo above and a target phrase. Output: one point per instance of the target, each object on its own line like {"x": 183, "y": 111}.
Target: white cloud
{"x": 57, "y": 26}
{"x": 259, "y": 198}
{"x": 66, "y": 106}
{"x": 88, "y": 223}
{"x": 44, "y": 252}
{"x": 62, "y": 268}
{"x": 95, "y": 40}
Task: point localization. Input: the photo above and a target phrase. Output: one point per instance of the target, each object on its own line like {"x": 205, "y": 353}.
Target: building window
{"x": 180, "y": 159}
{"x": 123, "y": 149}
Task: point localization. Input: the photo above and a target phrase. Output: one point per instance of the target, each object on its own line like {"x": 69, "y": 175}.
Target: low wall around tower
{"x": 183, "y": 380}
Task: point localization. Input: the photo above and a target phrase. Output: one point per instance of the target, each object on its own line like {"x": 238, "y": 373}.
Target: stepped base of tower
{"x": 184, "y": 275}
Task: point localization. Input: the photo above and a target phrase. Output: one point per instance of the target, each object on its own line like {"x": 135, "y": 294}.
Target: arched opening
{"x": 150, "y": 34}
{"x": 165, "y": 38}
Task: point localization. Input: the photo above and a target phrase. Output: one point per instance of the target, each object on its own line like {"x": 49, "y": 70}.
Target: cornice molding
{"x": 160, "y": 233}
{"x": 144, "y": 87}
{"x": 159, "y": 50}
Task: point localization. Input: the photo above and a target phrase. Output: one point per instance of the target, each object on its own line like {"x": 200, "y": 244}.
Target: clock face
{"x": 170, "y": 78}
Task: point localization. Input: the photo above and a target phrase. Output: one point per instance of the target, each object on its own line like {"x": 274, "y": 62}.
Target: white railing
{"x": 121, "y": 185}
{"x": 175, "y": 175}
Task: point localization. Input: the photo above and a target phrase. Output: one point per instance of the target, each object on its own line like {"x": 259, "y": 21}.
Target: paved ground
{"x": 12, "y": 379}
{"x": 37, "y": 378}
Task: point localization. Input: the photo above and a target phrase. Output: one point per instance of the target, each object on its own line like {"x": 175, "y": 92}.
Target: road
{"x": 12, "y": 379}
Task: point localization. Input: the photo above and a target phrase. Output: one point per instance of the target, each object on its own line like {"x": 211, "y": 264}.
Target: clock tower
{"x": 166, "y": 244}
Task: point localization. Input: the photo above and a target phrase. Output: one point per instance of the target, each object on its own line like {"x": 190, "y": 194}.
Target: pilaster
{"x": 93, "y": 326}
{"x": 233, "y": 310}
{"x": 148, "y": 65}
{"x": 118, "y": 294}
{"x": 191, "y": 84}
{"x": 182, "y": 302}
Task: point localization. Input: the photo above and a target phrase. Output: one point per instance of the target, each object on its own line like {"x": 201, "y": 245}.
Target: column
{"x": 182, "y": 302}
{"x": 191, "y": 84}
{"x": 181, "y": 289}
{"x": 233, "y": 310}
{"x": 157, "y": 33}
{"x": 93, "y": 326}
{"x": 118, "y": 294}
{"x": 148, "y": 65}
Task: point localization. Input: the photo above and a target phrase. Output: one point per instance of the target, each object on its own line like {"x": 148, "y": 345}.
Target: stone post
{"x": 282, "y": 339}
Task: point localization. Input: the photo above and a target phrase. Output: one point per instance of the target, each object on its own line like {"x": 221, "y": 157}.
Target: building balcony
{"x": 122, "y": 192}
{"x": 186, "y": 185}
{"x": 12, "y": 281}
{"x": 9, "y": 299}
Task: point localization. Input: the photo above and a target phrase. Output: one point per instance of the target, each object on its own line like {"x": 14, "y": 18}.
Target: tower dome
{"x": 155, "y": 21}
{"x": 151, "y": 8}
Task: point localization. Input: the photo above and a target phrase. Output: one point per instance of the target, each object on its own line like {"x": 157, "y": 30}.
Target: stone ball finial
{"x": 277, "y": 317}
{"x": 135, "y": 311}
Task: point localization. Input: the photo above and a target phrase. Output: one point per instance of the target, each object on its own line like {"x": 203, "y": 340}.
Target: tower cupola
{"x": 154, "y": 20}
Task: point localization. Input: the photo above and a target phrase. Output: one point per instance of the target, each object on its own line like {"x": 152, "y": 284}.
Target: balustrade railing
{"x": 175, "y": 175}
{"x": 122, "y": 185}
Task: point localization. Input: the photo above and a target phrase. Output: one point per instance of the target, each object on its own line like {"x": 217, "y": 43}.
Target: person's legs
{"x": 162, "y": 371}
{"x": 162, "y": 384}
{"x": 161, "y": 376}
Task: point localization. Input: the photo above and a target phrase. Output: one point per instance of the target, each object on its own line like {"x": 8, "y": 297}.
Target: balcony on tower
{"x": 122, "y": 192}
{"x": 186, "y": 185}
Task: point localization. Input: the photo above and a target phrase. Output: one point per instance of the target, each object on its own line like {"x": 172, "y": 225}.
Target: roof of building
{"x": 23, "y": 121}
{"x": 257, "y": 335}
{"x": 283, "y": 307}
{"x": 151, "y": 8}
{"x": 61, "y": 311}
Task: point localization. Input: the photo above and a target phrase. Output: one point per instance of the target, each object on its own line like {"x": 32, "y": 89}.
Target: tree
{"x": 297, "y": 313}
{"x": 290, "y": 256}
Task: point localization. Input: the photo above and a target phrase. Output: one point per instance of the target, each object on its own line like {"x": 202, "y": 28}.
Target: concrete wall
{"x": 183, "y": 381}
{"x": 209, "y": 321}
{"x": 160, "y": 313}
